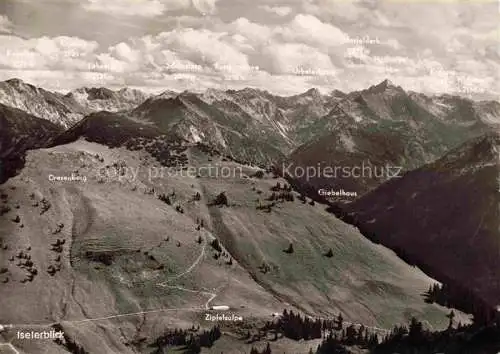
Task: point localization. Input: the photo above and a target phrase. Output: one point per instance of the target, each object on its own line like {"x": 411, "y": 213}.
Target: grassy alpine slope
{"x": 109, "y": 247}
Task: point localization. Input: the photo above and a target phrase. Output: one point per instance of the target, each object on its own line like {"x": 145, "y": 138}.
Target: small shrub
{"x": 329, "y": 254}
{"x": 290, "y": 249}
{"x": 258, "y": 174}
{"x": 4, "y": 209}
{"x": 277, "y": 187}
{"x": 165, "y": 198}
{"x": 264, "y": 268}
{"x": 45, "y": 206}
{"x": 216, "y": 245}
{"x": 221, "y": 199}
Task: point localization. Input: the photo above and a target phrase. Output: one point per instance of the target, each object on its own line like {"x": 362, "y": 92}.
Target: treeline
{"x": 266, "y": 350}
{"x": 465, "y": 339}
{"x": 461, "y": 298}
{"x": 452, "y": 294}
{"x": 191, "y": 340}
{"x": 352, "y": 335}
{"x": 413, "y": 339}
{"x": 281, "y": 197}
{"x": 297, "y": 327}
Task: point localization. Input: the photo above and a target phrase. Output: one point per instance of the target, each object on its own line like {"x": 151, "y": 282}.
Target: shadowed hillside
{"x": 444, "y": 215}
{"x": 20, "y": 132}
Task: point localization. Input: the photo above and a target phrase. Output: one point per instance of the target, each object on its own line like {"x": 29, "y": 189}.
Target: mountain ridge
{"x": 66, "y": 109}
{"x": 20, "y": 132}
{"x": 449, "y": 204}
{"x": 131, "y": 98}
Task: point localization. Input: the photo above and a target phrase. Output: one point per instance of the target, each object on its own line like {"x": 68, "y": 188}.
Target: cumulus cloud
{"x": 352, "y": 10}
{"x": 203, "y": 47}
{"x": 309, "y": 29}
{"x": 300, "y": 44}
{"x": 393, "y": 43}
{"x": 5, "y": 24}
{"x": 290, "y": 58}
{"x": 277, "y": 10}
{"x": 252, "y": 31}
{"x": 43, "y": 52}
{"x": 146, "y": 8}
{"x": 124, "y": 52}
{"x": 304, "y": 29}
{"x": 205, "y": 6}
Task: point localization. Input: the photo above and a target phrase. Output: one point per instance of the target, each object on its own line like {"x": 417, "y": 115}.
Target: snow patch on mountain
{"x": 282, "y": 129}
{"x": 439, "y": 108}
{"x": 165, "y": 95}
{"x": 196, "y": 134}
{"x": 348, "y": 142}
{"x": 491, "y": 118}
{"x": 101, "y": 99}
{"x": 489, "y": 112}
{"x": 385, "y": 87}
{"x": 212, "y": 95}
{"x": 357, "y": 116}
{"x": 220, "y": 138}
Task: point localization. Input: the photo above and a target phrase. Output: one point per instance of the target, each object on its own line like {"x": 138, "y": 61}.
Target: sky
{"x": 282, "y": 46}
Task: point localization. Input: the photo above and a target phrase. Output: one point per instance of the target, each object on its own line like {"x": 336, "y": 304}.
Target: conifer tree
{"x": 340, "y": 322}
{"x": 451, "y": 316}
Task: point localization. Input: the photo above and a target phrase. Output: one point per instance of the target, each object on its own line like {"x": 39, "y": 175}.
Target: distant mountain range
{"x": 66, "y": 110}
{"x": 384, "y": 125}
{"x": 258, "y": 127}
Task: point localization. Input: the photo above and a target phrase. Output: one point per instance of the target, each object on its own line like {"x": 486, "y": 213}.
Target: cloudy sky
{"x": 283, "y": 46}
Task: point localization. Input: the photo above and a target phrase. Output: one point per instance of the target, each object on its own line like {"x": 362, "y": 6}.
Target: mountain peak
{"x": 165, "y": 95}
{"x": 15, "y": 81}
{"x": 212, "y": 94}
{"x": 314, "y": 92}
{"x": 249, "y": 91}
{"x": 98, "y": 93}
{"x": 338, "y": 93}
{"x": 383, "y": 87}
{"x": 386, "y": 83}
{"x": 19, "y": 83}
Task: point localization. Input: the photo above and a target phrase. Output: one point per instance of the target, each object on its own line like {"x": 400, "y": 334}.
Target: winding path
{"x": 191, "y": 267}
{"x": 164, "y": 284}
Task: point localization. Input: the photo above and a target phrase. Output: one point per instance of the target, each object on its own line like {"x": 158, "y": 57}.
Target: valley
{"x": 129, "y": 225}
